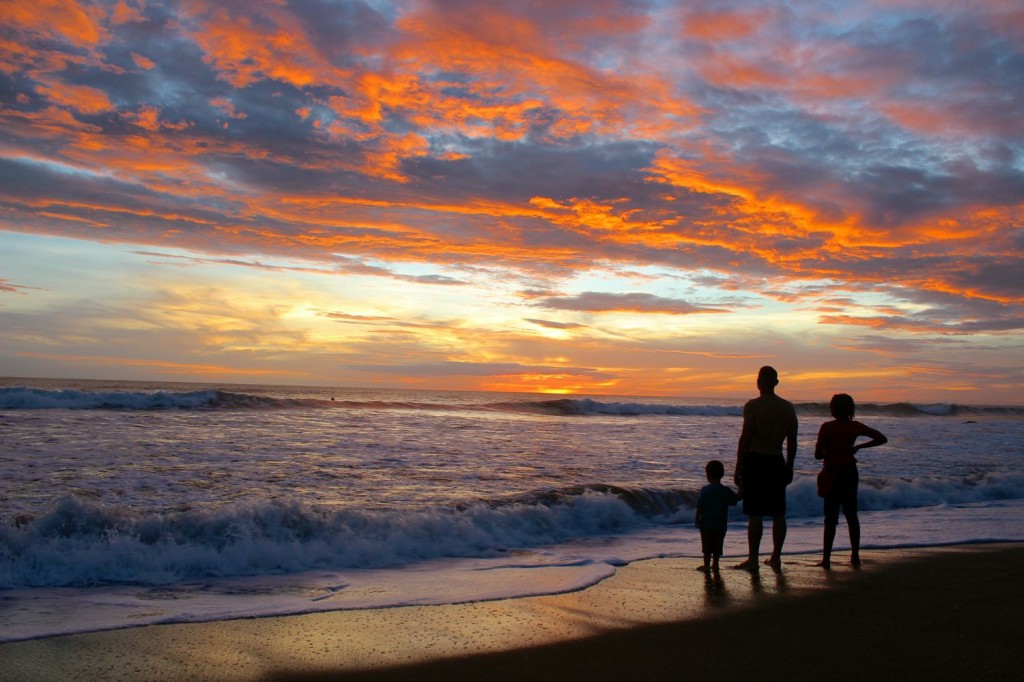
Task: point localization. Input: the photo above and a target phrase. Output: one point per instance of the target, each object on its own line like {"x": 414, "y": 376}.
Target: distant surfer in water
{"x": 837, "y": 445}
{"x": 761, "y": 472}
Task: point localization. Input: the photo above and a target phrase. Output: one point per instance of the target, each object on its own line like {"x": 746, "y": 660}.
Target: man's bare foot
{"x": 748, "y": 565}
{"x": 855, "y": 561}
{"x": 824, "y": 563}
{"x": 703, "y": 569}
{"x": 775, "y": 561}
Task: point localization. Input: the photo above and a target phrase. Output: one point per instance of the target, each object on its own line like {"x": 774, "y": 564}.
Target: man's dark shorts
{"x": 764, "y": 479}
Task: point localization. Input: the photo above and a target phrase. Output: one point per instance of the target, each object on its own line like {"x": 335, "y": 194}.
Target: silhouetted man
{"x": 761, "y": 472}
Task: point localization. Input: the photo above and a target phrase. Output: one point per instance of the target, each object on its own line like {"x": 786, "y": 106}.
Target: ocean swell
{"x": 24, "y": 398}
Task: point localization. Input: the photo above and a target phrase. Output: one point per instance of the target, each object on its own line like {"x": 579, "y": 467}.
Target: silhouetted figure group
{"x": 764, "y": 470}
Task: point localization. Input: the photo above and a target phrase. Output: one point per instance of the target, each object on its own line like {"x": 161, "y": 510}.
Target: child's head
{"x": 715, "y": 471}
{"x": 842, "y": 406}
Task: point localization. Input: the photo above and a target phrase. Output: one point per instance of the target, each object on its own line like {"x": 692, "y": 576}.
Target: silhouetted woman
{"x": 837, "y": 445}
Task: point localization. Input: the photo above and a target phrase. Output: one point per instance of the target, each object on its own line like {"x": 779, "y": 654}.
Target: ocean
{"x": 127, "y": 503}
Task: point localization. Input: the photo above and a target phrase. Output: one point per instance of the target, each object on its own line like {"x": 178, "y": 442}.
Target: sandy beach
{"x": 932, "y": 613}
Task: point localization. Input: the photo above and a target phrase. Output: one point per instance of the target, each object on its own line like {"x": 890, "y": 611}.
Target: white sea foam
{"x": 87, "y": 543}
{"x": 564, "y": 567}
{"x": 82, "y": 543}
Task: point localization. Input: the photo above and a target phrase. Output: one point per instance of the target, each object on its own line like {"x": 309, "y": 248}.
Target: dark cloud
{"x": 342, "y": 266}
{"x": 593, "y": 301}
{"x": 519, "y": 171}
{"x": 8, "y": 287}
{"x": 551, "y": 324}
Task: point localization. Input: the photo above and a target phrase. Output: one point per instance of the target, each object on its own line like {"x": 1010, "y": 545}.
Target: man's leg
{"x": 778, "y": 497}
{"x": 755, "y": 529}
{"x": 778, "y": 539}
{"x": 829, "y": 538}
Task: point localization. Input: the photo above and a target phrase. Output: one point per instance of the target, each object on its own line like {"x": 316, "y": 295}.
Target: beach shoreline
{"x": 941, "y": 612}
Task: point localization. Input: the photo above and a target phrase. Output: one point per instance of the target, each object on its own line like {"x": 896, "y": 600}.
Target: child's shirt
{"x": 713, "y": 502}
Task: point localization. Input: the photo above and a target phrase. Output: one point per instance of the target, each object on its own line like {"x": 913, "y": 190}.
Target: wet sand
{"x": 937, "y": 613}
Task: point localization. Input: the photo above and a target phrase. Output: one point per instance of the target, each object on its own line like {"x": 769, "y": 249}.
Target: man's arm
{"x": 742, "y": 448}
{"x": 791, "y": 434}
{"x": 791, "y": 442}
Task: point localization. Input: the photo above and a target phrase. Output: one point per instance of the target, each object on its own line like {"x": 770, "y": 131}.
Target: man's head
{"x": 767, "y": 378}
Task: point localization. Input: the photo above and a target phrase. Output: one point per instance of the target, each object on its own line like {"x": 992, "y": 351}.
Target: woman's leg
{"x": 854, "y": 523}
{"x": 852, "y": 520}
{"x": 831, "y": 522}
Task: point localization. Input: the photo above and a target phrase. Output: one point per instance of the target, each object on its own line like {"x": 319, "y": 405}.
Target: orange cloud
{"x": 556, "y": 384}
{"x": 125, "y": 13}
{"x": 714, "y": 26}
{"x": 267, "y": 42}
{"x": 79, "y": 24}
{"x": 81, "y": 98}
{"x": 50, "y": 123}
{"x": 508, "y": 56}
{"x": 143, "y": 62}
{"x": 164, "y": 368}
{"x": 148, "y": 118}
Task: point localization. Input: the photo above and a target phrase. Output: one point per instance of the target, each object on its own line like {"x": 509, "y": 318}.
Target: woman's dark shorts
{"x": 844, "y": 493}
{"x": 764, "y": 479}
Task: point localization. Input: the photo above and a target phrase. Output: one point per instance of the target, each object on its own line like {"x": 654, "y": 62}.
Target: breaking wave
{"x": 82, "y": 543}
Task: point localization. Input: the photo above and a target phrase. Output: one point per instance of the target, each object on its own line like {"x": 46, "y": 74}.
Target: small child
{"x": 712, "y": 518}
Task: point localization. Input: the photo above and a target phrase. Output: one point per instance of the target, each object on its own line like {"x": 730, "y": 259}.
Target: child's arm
{"x": 697, "y": 516}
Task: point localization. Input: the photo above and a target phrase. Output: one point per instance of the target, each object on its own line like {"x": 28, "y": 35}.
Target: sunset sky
{"x": 627, "y": 197}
